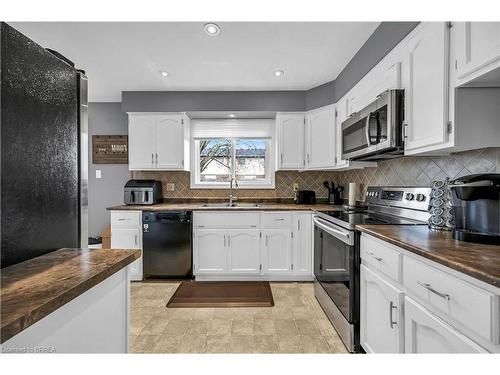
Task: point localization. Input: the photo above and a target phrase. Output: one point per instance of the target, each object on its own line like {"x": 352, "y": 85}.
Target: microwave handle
{"x": 367, "y": 129}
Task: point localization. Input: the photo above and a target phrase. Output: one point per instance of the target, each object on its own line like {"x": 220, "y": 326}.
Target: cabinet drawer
{"x": 451, "y": 298}
{"x": 225, "y": 219}
{"x": 126, "y": 219}
{"x": 276, "y": 219}
{"x": 381, "y": 257}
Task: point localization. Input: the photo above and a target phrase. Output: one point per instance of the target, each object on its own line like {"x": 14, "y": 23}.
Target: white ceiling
{"x": 126, "y": 56}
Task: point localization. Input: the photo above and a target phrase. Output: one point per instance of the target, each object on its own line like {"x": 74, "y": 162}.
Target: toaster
{"x": 142, "y": 192}
{"x": 306, "y": 197}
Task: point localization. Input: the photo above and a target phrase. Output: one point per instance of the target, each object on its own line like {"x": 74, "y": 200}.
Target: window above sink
{"x": 222, "y": 149}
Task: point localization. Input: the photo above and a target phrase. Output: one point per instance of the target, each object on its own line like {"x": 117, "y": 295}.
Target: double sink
{"x": 230, "y": 205}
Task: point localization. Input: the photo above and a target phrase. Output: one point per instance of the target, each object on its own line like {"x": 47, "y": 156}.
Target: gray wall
{"x": 105, "y": 119}
{"x": 384, "y": 38}
{"x": 186, "y": 101}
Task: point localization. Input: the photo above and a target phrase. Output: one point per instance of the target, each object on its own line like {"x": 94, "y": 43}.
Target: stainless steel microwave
{"x": 376, "y": 131}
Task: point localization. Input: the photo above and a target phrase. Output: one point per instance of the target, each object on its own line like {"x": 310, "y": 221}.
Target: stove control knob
{"x": 410, "y": 196}
{"x": 367, "y": 193}
{"x": 375, "y": 194}
{"x": 420, "y": 197}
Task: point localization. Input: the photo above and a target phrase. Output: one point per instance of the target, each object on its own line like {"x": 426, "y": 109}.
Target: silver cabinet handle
{"x": 281, "y": 158}
{"x": 266, "y": 239}
{"x": 228, "y": 240}
{"x": 281, "y": 219}
{"x": 308, "y": 159}
{"x": 375, "y": 257}
{"x": 298, "y": 224}
{"x": 135, "y": 240}
{"x": 391, "y": 308}
{"x": 224, "y": 240}
{"x": 156, "y": 155}
{"x": 431, "y": 289}
{"x": 123, "y": 219}
{"x": 152, "y": 158}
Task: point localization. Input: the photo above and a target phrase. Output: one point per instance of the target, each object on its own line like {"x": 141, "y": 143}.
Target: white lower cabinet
{"x": 381, "y": 314}
{"x": 426, "y": 333}
{"x": 253, "y": 245}
{"x": 302, "y": 243}
{"x": 418, "y": 306}
{"x": 211, "y": 254}
{"x": 244, "y": 251}
{"x": 276, "y": 251}
{"x": 126, "y": 233}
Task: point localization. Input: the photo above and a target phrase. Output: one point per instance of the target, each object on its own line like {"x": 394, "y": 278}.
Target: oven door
{"x": 334, "y": 265}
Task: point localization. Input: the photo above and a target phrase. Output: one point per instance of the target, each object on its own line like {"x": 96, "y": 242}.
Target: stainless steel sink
{"x": 227, "y": 205}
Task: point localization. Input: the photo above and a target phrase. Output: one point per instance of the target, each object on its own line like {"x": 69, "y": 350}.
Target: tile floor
{"x": 296, "y": 324}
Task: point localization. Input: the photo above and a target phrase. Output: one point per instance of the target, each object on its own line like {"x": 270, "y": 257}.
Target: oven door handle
{"x": 327, "y": 227}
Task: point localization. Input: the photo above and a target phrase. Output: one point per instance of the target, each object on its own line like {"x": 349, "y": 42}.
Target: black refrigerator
{"x": 44, "y": 154}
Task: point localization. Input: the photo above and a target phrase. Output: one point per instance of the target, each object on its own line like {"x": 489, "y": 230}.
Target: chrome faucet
{"x": 232, "y": 197}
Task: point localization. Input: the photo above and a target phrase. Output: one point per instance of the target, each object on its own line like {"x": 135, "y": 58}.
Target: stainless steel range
{"x": 336, "y": 250}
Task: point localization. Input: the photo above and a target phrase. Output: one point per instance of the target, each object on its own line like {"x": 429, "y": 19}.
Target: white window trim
{"x": 269, "y": 183}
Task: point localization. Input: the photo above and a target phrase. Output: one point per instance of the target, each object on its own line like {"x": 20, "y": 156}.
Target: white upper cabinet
{"x": 425, "y": 80}
{"x": 477, "y": 53}
{"x": 290, "y": 127}
{"x": 385, "y": 76}
{"x": 320, "y": 138}
{"x": 141, "y": 140}
{"x": 158, "y": 141}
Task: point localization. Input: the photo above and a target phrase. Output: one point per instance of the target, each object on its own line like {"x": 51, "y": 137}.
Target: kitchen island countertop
{"x": 33, "y": 289}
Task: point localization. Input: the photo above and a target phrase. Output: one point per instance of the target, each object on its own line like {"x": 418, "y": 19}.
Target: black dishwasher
{"x": 167, "y": 244}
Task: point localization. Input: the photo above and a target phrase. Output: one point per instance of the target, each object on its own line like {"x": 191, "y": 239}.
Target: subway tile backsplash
{"x": 404, "y": 171}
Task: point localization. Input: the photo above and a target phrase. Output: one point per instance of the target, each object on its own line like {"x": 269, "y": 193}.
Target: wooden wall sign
{"x": 110, "y": 149}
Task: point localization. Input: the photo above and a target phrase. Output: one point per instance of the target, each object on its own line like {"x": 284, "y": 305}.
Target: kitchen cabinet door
{"x": 302, "y": 243}
{"x": 141, "y": 151}
{"x": 320, "y": 138}
{"x": 129, "y": 239}
{"x": 426, "y": 333}
{"x": 425, "y": 80}
{"x": 243, "y": 251}
{"x": 381, "y": 314}
{"x": 477, "y": 51}
{"x": 290, "y": 141}
{"x": 210, "y": 252}
{"x": 169, "y": 142}
{"x": 276, "y": 251}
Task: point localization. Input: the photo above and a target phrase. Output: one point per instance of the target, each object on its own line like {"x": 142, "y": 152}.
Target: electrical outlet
{"x": 171, "y": 187}
{"x": 295, "y": 187}
{"x": 98, "y": 173}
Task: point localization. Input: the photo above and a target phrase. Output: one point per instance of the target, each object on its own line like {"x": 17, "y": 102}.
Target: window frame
{"x": 267, "y": 183}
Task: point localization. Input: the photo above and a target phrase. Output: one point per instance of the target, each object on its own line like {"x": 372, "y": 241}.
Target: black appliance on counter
{"x": 337, "y": 251}
{"x": 44, "y": 150}
{"x": 167, "y": 244}
{"x": 142, "y": 192}
{"x": 306, "y": 197}
{"x": 476, "y": 208}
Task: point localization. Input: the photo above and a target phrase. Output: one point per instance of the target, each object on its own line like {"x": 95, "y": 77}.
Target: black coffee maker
{"x": 476, "y": 208}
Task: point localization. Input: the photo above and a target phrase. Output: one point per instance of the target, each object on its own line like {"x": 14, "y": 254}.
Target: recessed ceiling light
{"x": 211, "y": 29}
{"x": 232, "y": 115}
{"x": 163, "y": 73}
{"x": 279, "y": 73}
